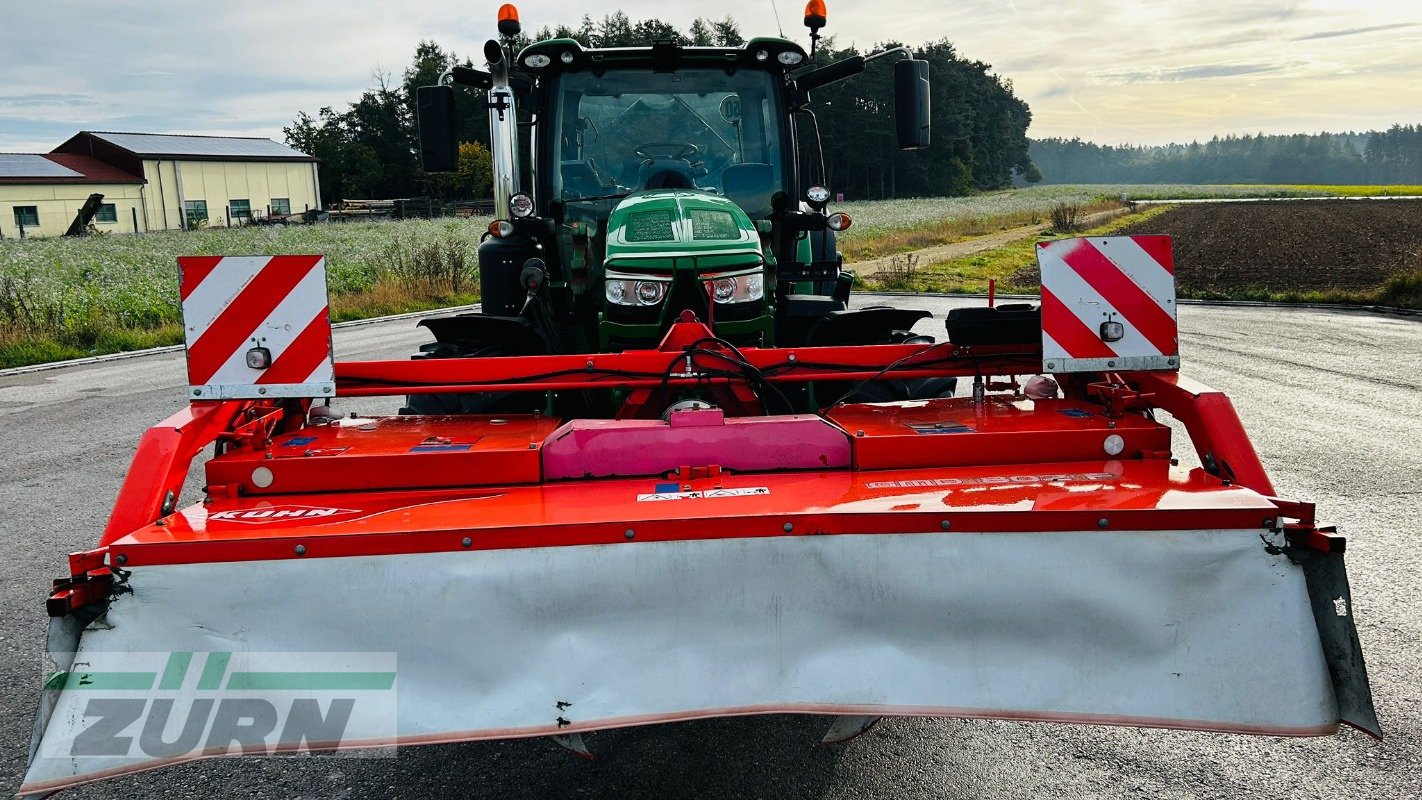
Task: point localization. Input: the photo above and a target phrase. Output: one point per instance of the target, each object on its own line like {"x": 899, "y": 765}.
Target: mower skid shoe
{"x": 1332, "y": 600}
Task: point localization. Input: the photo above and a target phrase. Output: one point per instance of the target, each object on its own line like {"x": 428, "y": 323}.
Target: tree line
{"x": 979, "y": 138}
{"x": 1393, "y": 156}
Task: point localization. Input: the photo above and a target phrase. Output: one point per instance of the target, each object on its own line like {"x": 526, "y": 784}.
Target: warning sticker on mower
{"x": 742, "y": 492}
{"x": 930, "y": 483}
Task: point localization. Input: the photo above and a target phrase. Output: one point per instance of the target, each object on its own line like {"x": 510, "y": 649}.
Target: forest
{"x": 1393, "y": 156}
{"x": 979, "y": 138}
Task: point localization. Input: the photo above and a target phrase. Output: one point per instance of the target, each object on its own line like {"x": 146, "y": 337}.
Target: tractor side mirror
{"x": 439, "y": 139}
{"x": 911, "y": 110}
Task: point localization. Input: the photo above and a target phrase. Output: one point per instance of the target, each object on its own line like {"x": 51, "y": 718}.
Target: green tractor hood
{"x": 680, "y": 229}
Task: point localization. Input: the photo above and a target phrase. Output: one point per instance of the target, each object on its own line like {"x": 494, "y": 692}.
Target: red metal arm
{"x": 1212, "y": 423}
{"x": 161, "y": 464}
{"x": 644, "y": 368}
{"x": 671, "y": 365}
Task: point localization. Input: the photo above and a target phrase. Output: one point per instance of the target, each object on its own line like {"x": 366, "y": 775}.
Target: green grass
{"x": 886, "y": 241}
{"x": 1006, "y": 265}
{"x": 23, "y": 350}
{"x": 67, "y": 298}
{"x": 1403, "y": 290}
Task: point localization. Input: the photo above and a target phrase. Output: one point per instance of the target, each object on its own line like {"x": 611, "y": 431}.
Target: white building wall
{"x": 218, "y": 183}
{"x": 57, "y": 204}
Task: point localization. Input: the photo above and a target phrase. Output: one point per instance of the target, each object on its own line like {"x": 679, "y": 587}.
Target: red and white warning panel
{"x": 1108, "y": 302}
{"x": 256, "y": 326}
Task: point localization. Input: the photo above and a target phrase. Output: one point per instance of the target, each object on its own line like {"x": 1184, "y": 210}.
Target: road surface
{"x": 1332, "y": 400}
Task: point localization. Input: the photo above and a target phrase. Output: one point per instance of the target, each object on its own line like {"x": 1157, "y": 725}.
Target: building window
{"x": 281, "y": 206}
{"x": 27, "y": 216}
{"x": 197, "y": 213}
{"x": 240, "y": 209}
{"x": 108, "y": 212}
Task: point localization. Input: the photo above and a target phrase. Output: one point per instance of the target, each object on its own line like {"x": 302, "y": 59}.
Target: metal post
{"x": 20, "y": 220}
{"x": 182, "y": 196}
{"x": 135, "y": 218}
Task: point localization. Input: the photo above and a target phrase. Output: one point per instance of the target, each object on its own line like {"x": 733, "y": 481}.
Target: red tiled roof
{"x": 90, "y": 169}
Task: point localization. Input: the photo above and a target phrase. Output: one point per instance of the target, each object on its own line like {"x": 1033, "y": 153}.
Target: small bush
{"x": 899, "y": 277}
{"x": 1066, "y": 217}
{"x": 436, "y": 267}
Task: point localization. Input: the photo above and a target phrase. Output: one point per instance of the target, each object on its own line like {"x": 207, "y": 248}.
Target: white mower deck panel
{"x": 1198, "y": 629}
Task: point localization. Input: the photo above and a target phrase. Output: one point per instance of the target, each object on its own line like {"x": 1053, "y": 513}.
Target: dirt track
{"x": 967, "y": 247}
{"x": 1226, "y": 248}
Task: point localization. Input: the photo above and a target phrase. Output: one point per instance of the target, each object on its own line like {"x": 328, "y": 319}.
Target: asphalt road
{"x": 1331, "y": 400}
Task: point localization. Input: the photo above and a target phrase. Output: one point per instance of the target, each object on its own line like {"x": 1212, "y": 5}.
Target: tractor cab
{"x": 661, "y": 180}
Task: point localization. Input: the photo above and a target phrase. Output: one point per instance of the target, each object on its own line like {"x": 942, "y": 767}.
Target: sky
{"x": 1111, "y": 71}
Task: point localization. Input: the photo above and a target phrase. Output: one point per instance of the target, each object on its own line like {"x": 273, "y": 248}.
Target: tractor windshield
{"x": 627, "y": 130}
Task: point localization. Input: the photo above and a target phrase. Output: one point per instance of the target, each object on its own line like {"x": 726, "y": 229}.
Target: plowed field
{"x": 1234, "y": 249}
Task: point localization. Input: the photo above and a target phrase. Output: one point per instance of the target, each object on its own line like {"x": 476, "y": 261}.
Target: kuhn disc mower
{"x": 669, "y": 473}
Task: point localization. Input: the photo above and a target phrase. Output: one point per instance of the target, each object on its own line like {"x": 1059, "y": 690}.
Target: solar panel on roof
{"x": 24, "y": 165}
{"x": 212, "y": 146}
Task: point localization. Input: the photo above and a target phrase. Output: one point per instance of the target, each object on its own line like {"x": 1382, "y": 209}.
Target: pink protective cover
{"x": 605, "y": 447}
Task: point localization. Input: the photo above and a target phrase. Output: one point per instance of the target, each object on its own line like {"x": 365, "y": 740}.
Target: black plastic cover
{"x": 1014, "y": 323}
{"x": 911, "y": 104}
{"x": 439, "y": 138}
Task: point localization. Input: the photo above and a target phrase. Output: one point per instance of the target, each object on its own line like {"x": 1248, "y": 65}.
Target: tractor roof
{"x": 552, "y": 56}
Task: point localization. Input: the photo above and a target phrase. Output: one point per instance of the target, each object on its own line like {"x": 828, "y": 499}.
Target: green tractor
{"x": 662, "y": 181}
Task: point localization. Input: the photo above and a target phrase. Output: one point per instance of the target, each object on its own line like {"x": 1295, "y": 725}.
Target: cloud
{"x": 1186, "y": 73}
{"x": 1117, "y": 69}
{"x": 44, "y": 99}
{"x": 1354, "y": 31}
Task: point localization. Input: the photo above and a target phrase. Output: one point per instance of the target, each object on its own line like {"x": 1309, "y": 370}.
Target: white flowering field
{"x": 52, "y": 286}
{"x": 873, "y": 217}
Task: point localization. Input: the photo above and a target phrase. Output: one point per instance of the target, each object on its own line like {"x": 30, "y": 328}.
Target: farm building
{"x": 41, "y": 193}
{"x": 167, "y": 182}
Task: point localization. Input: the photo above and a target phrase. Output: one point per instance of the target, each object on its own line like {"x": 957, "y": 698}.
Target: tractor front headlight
{"x": 649, "y": 293}
{"x": 723, "y": 289}
{"x": 738, "y": 288}
{"x": 616, "y": 292}
{"x": 632, "y": 290}
{"x": 521, "y": 205}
